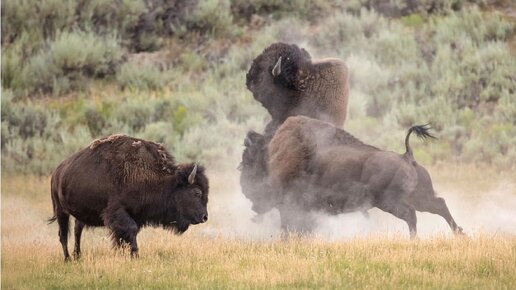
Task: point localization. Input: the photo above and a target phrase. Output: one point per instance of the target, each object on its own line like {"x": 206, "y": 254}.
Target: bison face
{"x": 191, "y": 196}
{"x": 274, "y": 77}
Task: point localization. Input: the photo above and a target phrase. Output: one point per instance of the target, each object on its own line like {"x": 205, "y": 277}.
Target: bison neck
{"x": 155, "y": 206}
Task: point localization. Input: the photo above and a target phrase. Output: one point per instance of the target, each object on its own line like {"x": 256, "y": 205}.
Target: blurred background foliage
{"x": 174, "y": 72}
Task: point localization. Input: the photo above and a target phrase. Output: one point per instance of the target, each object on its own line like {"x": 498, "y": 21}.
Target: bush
{"x": 70, "y": 60}
{"x": 140, "y": 77}
{"x": 212, "y": 16}
{"x": 304, "y": 9}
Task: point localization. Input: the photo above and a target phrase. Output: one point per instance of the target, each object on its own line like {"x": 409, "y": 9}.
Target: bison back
{"x": 296, "y": 143}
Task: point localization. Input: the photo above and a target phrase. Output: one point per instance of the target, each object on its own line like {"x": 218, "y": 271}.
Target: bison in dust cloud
{"x": 285, "y": 80}
{"x": 126, "y": 183}
{"x": 317, "y": 167}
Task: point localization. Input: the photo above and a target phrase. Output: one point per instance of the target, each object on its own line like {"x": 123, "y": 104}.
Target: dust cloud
{"x": 491, "y": 212}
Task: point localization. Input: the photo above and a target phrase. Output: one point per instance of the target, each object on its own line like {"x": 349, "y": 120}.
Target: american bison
{"x": 285, "y": 80}
{"x": 317, "y": 167}
{"x": 126, "y": 183}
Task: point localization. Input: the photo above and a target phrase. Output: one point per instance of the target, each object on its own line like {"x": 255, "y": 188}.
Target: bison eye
{"x": 197, "y": 192}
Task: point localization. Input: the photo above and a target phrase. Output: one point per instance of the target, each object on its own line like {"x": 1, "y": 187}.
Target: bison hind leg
{"x": 63, "y": 220}
{"x": 402, "y": 210}
{"x": 437, "y": 205}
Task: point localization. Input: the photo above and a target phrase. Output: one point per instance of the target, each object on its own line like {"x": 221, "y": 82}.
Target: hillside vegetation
{"x": 174, "y": 72}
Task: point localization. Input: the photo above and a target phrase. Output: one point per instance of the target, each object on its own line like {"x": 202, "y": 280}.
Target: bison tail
{"x": 51, "y": 220}
{"x": 422, "y": 132}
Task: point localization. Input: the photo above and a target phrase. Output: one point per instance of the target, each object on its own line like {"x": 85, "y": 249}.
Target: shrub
{"x": 68, "y": 61}
{"x": 304, "y": 9}
{"x": 41, "y": 18}
{"x": 12, "y": 68}
{"x": 212, "y": 16}
{"x": 140, "y": 77}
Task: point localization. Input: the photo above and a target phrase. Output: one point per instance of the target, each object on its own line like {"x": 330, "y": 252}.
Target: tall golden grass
{"x": 32, "y": 256}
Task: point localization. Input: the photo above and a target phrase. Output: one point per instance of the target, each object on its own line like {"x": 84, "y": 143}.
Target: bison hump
{"x": 133, "y": 160}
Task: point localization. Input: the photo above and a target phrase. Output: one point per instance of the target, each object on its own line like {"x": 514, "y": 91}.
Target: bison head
{"x": 190, "y": 196}
{"x": 276, "y": 77}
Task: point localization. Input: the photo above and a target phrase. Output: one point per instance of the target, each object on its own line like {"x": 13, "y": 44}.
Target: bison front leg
{"x": 295, "y": 220}
{"x": 123, "y": 228}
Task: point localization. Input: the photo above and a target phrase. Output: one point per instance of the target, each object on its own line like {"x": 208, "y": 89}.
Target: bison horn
{"x": 248, "y": 142}
{"x": 191, "y": 177}
{"x": 277, "y": 68}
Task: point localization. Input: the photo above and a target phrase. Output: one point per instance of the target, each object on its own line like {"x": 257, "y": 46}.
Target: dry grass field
{"x": 230, "y": 252}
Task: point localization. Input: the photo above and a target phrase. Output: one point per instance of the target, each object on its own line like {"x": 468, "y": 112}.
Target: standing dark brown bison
{"x": 285, "y": 80}
{"x": 317, "y": 167}
{"x": 126, "y": 183}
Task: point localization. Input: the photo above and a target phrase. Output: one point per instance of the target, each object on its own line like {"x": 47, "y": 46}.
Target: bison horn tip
{"x": 191, "y": 177}
{"x": 276, "y": 71}
{"x": 248, "y": 142}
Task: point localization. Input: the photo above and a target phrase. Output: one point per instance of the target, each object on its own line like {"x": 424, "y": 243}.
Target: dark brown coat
{"x": 126, "y": 183}
{"x": 315, "y": 166}
{"x": 296, "y": 85}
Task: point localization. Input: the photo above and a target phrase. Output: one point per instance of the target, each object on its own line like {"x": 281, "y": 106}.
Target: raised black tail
{"x": 421, "y": 132}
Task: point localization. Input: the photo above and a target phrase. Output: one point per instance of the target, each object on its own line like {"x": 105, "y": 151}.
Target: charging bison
{"x": 126, "y": 183}
{"x": 317, "y": 167}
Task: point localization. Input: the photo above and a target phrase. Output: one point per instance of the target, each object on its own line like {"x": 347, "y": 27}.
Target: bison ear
{"x": 276, "y": 71}
{"x": 191, "y": 177}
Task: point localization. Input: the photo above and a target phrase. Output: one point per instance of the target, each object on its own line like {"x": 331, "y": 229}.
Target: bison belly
{"x": 85, "y": 188}
{"x": 337, "y": 180}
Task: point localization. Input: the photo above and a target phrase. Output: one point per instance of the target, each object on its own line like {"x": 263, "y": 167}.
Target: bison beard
{"x": 285, "y": 80}
{"x": 317, "y": 167}
{"x": 125, "y": 183}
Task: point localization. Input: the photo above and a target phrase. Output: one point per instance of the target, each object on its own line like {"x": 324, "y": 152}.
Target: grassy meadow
{"x": 206, "y": 257}
{"x": 174, "y": 72}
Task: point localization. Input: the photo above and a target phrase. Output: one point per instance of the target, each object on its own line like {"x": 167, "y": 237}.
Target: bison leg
{"x": 124, "y": 229}
{"x": 79, "y": 226}
{"x": 438, "y": 206}
{"x": 403, "y": 211}
{"x": 296, "y": 220}
{"x": 63, "y": 221}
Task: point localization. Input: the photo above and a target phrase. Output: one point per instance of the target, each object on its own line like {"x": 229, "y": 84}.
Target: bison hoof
{"x": 459, "y": 232}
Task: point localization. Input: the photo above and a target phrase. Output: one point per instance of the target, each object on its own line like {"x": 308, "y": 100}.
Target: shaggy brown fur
{"x": 317, "y": 89}
{"x": 315, "y": 166}
{"x": 125, "y": 183}
{"x": 130, "y": 162}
